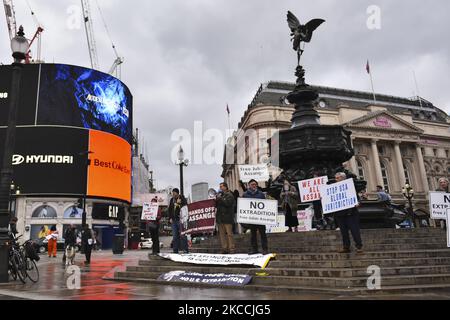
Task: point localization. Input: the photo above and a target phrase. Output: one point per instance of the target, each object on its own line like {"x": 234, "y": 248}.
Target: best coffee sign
{"x": 310, "y": 189}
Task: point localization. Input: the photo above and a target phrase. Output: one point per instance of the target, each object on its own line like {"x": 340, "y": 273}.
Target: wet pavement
{"x": 53, "y": 285}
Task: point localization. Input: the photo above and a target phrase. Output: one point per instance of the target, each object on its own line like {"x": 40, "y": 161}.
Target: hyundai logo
{"x": 17, "y": 159}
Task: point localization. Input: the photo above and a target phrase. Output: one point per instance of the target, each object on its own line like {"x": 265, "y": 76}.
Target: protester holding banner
{"x": 225, "y": 218}
{"x": 289, "y": 203}
{"x": 254, "y": 193}
{"x": 348, "y": 220}
{"x": 153, "y": 226}
{"x": 176, "y": 203}
{"x": 443, "y": 187}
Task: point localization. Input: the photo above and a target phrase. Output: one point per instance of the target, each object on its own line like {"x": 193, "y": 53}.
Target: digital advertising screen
{"x": 109, "y": 172}
{"x": 47, "y": 160}
{"x": 81, "y": 97}
{"x": 53, "y": 161}
{"x": 26, "y": 114}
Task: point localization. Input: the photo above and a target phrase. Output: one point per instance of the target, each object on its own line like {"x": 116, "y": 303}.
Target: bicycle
{"x": 30, "y": 255}
{"x": 17, "y": 263}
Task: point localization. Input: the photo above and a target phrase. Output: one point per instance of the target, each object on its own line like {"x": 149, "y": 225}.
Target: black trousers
{"x": 350, "y": 223}
{"x": 291, "y": 219}
{"x": 154, "y": 234}
{"x": 254, "y": 242}
{"x": 87, "y": 252}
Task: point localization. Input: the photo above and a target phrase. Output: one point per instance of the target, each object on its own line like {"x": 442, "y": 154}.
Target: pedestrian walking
{"x": 254, "y": 193}
{"x": 348, "y": 220}
{"x": 52, "y": 239}
{"x": 289, "y": 203}
{"x": 225, "y": 204}
{"x": 153, "y": 227}
{"x": 70, "y": 240}
{"x": 176, "y": 203}
{"x": 87, "y": 242}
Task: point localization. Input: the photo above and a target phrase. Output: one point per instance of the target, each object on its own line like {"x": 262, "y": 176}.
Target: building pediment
{"x": 383, "y": 120}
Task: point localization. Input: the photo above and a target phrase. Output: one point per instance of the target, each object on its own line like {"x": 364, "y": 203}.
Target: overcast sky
{"x": 186, "y": 59}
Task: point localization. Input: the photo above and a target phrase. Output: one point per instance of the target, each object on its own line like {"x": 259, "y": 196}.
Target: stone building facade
{"x": 396, "y": 140}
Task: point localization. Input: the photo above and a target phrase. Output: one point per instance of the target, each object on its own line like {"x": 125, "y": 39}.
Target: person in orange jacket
{"x": 52, "y": 238}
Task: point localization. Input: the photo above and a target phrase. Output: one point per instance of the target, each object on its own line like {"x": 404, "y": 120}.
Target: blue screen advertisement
{"x": 81, "y": 97}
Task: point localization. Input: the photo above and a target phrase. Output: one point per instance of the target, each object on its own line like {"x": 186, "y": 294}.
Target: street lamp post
{"x": 182, "y": 162}
{"x": 408, "y": 193}
{"x": 19, "y": 46}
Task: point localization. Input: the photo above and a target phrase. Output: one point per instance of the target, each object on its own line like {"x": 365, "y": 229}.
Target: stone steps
{"x": 410, "y": 260}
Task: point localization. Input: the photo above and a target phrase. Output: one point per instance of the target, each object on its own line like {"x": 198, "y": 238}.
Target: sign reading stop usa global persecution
{"x": 257, "y": 211}
{"x": 338, "y": 196}
{"x": 439, "y": 204}
{"x": 310, "y": 189}
{"x": 149, "y": 211}
{"x": 256, "y": 172}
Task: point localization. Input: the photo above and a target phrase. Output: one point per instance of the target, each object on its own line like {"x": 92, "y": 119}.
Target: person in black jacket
{"x": 176, "y": 203}
{"x": 225, "y": 218}
{"x": 87, "y": 241}
{"x": 348, "y": 220}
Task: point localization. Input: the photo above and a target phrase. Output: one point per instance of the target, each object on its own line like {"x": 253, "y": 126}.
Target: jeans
{"x": 254, "y": 240}
{"x": 350, "y": 223}
{"x": 179, "y": 242}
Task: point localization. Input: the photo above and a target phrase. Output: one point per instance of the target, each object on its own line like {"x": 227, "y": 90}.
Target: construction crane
{"x": 116, "y": 68}
{"x": 12, "y": 29}
{"x": 89, "y": 27}
{"x": 10, "y": 18}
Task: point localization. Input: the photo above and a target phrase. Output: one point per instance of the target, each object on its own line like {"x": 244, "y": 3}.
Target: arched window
{"x": 360, "y": 170}
{"x": 384, "y": 174}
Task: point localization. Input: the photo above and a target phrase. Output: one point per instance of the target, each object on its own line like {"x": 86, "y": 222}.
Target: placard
{"x": 439, "y": 204}
{"x": 198, "y": 217}
{"x": 338, "y": 196}
{"x": 259, "y": 173}
{"x": 149, "y": 211}
{"x": 310, "y": 189}
{"x": 305, "y": 218}
{"x": 257, "y": 211}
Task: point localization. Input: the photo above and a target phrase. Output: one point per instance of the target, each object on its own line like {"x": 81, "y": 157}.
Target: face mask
{"x": 286, "y": 188}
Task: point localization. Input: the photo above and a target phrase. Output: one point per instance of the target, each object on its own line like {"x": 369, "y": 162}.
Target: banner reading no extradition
{"x": 257, "y": 211}
{"x": 200, "y": 217}
{"x": 338, "y": 196}
{"x": 439, "y": 203}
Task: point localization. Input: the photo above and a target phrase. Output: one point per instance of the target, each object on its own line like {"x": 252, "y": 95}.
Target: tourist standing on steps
{"x": 254, "y": 193}
{"x": 443, "y": 187}
{"x": 383, "y": 195}
{"x": 289, "y": 203}
{"x": 348, "y": 220}
{"x": 225, "y": 218}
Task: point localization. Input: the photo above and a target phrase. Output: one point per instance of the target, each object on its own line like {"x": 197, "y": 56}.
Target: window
{"x": 385, "y": 176}
{"x": 407, "y": 177}
{"x": 361, "y": 170}
{"x": 380, "y": 149}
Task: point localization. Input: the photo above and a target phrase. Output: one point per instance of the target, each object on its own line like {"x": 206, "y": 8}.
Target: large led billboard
{"x": 53, "y": 161}
{"x": 72, "y": 96}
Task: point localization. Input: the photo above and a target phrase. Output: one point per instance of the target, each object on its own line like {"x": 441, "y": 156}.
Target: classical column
{"x": 400, "y": 167}
{"x": 353, "y": 164}
{"x": 376, "y": 163}
{"x": 423, "y": 172}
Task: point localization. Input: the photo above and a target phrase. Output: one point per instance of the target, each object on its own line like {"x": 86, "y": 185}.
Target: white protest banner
{"x": 305, "y": 218}
{"x": 448, "y": 231}
{"x": 259, "y": 173}
{"x": 220, "y": 259}
{"x": 338, "y": 196}
{"x": 310, "y": 189}
{"x": 280, "y": 227}
{"x": 149, "y": 211}
{"x": 257, "y": 211}
{"x": 439, "y": 203}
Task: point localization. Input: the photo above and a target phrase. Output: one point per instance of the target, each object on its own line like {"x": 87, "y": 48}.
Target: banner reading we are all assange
{"x": 338, "y": 196}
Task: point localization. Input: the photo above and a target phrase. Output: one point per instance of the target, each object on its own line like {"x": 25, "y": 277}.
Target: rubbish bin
{"x": 118, "y": 243}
